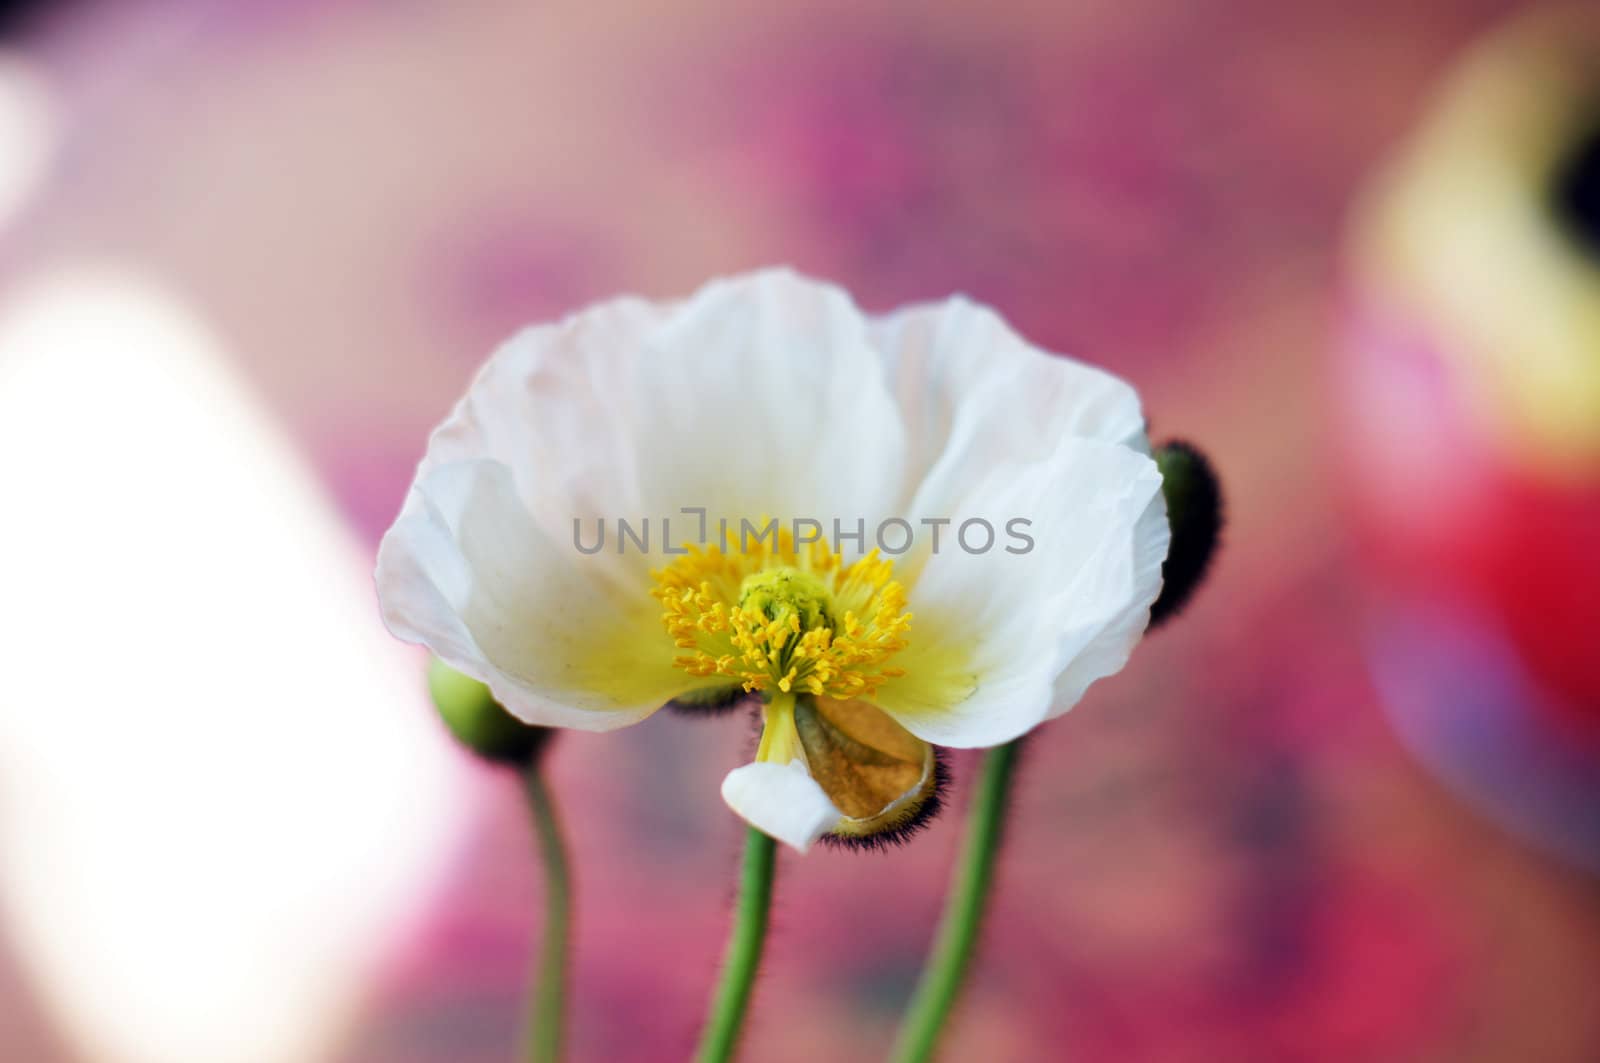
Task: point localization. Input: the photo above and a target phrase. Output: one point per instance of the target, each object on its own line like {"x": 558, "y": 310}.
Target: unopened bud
{"x": 1194, "y": 510}
{"x": 478, "y": 722}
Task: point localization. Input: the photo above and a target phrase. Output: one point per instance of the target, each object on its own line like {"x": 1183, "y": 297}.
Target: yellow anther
{"x": 766, "y": 618}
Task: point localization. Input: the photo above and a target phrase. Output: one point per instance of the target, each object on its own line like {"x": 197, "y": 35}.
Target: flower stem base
{"x": 957, "y": 937}
{"x": 732, "y": 998}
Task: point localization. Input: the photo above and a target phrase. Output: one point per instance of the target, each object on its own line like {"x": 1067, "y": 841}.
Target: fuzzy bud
{"x": 1194, "y": 509}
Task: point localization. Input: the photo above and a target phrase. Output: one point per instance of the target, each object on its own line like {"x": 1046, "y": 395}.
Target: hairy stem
{"x": 957, "y": 936}
{"x": 732, "y": 997}
{"x": 547, "y": 996}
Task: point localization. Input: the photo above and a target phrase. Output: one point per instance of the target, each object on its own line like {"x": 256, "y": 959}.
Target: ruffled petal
{"x": 561, "y": 638}
{"x": 761, "y": 395}
{"x": 999, "y": 429}
{"x": 1005, "y": 639}
{"x": 727, "y": 402}
{"x": 770, "y": 395}
{"x": 972, "y": 393}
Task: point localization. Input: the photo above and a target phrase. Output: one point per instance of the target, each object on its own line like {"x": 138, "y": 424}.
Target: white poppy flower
{"x": 899, "y": 531}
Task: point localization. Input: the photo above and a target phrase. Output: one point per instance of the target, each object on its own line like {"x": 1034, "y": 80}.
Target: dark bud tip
{"x": 478, "y": 722}
{"x": 717, "y": 701}
{"x": 1194, "y": 510}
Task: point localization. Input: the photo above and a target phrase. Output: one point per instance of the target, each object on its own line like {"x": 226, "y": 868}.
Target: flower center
{"x": 776, "y": 617}
{"x": 781, "y": 593}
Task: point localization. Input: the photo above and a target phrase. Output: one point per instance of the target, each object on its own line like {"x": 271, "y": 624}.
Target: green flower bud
{"x": 479, "y": 723}
{"x": 1194, "y": 510}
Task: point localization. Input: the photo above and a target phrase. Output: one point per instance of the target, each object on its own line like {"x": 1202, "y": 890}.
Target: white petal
{"x": 973, "y": 393}
{"x": 760, "y": 395}
{"x": 1119, "y": 596}
{"x": 561, "y": 638}
{"x": 997, "y": 428}
{"x": 781, "y": 800}
{"x": 773, "y": 396}
{"x": 1004, "y": 641}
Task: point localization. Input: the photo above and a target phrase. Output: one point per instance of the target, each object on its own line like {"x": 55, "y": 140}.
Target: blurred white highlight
{"x": 221, "y": 796}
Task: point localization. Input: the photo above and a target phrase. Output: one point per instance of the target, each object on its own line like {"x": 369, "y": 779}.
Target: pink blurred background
{"x": 1224, "y": 854}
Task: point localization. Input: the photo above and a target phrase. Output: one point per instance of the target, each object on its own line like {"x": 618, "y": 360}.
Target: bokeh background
{"x": 263, "y": 245}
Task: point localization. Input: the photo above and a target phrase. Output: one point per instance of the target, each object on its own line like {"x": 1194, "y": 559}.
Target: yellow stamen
{"x": 783, "y": 618}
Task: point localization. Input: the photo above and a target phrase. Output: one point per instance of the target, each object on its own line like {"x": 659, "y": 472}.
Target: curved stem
{"x": 728, "y": 1006}
{"x": 958, "y": 927}
{"x": 547, "y": 995}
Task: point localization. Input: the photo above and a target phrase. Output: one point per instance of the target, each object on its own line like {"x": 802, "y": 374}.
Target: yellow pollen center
{"x": 785, "y": 619}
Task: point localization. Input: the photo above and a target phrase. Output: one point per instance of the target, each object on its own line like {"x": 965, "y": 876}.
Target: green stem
{"x": 958, "y": 928}
{"x": 547, "y": 995}
{"x": 749, "y": 934}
